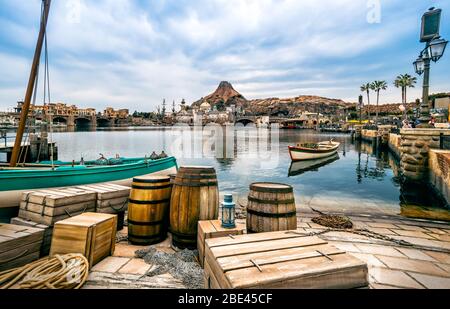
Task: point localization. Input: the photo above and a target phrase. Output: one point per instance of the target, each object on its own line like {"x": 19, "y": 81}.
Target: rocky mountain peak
{"x": 225, "y": 95}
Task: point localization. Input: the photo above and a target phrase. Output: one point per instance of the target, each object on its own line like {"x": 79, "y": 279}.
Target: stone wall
{"x": 383, "y": 134}
{"x": 369, "y": 135}
{"x": 439, "y": 172}
{"x": 415, "y": 146}
{"x": 395, "y": 144}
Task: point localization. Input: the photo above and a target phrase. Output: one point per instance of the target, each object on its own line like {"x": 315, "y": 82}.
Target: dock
{"x": 35, "y": 150}
{"x": 425, "y": 264}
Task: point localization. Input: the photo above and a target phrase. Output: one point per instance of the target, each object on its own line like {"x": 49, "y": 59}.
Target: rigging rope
{"x": 47, "y": 87}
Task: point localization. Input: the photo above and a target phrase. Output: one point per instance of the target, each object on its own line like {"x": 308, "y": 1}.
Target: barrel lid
{"x": 271, "y": 187}
{"x": 151, "y": 178}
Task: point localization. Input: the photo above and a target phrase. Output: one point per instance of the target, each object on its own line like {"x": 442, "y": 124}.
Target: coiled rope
{"x": 59, "y": 272}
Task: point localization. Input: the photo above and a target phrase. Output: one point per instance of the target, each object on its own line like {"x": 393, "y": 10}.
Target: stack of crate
{"x": 43, "y": 208}
{"x": 52, "y": 205}
{"x": 111, "y": 199}
{"x": 47, "y": 237}
{"x": 19, "y": 245}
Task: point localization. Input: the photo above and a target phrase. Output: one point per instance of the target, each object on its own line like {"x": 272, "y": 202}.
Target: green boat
{"x": 13, "y": 182}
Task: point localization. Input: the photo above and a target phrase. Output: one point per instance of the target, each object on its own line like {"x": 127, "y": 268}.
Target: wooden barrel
{"x": 271, "y": 208}
{"x": 195, "y": 196}
{"x": 148, "y": 209}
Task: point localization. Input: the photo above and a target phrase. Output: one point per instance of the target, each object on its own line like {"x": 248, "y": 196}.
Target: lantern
{"x": 436, "y": 49}
{"x": 419, "y": 65}
{"x": 228, "y": 212}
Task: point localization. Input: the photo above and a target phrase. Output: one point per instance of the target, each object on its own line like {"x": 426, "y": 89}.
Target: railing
{"x": 444, "y": 142}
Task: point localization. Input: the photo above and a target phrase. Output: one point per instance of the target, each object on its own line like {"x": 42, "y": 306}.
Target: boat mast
{"x": 31, "y": 82}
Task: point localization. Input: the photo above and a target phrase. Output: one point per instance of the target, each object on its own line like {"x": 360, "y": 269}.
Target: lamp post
{"x": 434, "y": 50}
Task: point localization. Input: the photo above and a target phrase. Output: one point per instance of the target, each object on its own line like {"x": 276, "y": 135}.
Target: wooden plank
{"x": 270, "y": 245}
{"x": 295, "y": 270}
{"x": 20, "y": 261}
{"x": 268, "y": 257}
{"x": 210, "y": 280}
{"x": 107, "y": 192}
{"x": 115, "y": 202}
{"x": 20, "y": 251}
{"x": 14, "y": 236}
{"x": 57, "y": 211}
{"x": 47, "y": 220}
{"x": 250, "y": 238}
{"x": 59, "y": 197}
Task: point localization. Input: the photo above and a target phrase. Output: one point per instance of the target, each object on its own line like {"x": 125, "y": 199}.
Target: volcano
{"x": 224, "y": 96}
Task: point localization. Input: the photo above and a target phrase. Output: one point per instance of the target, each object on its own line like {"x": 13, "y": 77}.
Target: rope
{"x": 59, "y": 272}
{"x": 47, "y": 91}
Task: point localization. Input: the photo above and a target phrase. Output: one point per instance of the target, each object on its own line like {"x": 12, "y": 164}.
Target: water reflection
{"x": 301, "y": 167}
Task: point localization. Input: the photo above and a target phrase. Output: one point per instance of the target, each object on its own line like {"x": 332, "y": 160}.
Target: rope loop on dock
{"x": 68, "y": 271}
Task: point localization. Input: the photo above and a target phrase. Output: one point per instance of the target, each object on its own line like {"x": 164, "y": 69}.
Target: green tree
{"x": 377, "y": 86}
{"x": 366, "y": 88}
{"x": 404, "y": 82}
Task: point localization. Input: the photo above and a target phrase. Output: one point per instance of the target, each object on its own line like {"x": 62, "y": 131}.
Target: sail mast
{"x": 31, "y": 82}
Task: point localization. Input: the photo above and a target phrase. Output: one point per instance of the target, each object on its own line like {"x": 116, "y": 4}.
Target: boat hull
{"x": 300, "y": 154}
{"x": 14, "y": 183}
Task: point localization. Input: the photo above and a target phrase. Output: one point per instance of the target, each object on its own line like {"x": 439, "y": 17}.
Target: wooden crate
{"x": 91, "y": 234}
{"x": 48, "y": 232}
{"x": 110, "y": 198}
{"x": 280, "y": 260}
{"x": 213, "y": 229}
{"x": 19, "y": 245}
{"x": 52, "y": 205}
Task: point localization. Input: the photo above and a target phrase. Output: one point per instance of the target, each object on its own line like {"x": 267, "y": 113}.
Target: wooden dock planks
{"x": 280, "y": 260}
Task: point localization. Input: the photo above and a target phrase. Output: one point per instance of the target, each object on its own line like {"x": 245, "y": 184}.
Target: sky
{"x": 134, "y": 53}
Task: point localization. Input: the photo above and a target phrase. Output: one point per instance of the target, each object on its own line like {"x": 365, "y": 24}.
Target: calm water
{"x": 359, "y": 180}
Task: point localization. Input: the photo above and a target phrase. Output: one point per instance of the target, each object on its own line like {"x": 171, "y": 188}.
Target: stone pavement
{"x": 124, "y": 271}
{"x": 424, "y": 265}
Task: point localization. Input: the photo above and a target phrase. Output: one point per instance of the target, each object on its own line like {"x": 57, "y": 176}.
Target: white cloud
{"x": 125, "y": 55}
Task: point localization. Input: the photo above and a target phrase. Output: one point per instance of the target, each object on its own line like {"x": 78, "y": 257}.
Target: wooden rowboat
{"x": 312, "y": 151}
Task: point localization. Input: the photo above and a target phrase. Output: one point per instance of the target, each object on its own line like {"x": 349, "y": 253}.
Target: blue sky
{"x": 134, "y": 53}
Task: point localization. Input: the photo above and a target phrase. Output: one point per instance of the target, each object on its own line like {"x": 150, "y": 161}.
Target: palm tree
{"x": 366, "y": 88}
{"x": 405, "y": 81}
{"x": 377, "y": 86}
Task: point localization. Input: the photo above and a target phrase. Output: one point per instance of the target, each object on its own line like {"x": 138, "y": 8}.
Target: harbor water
{"x": 360, "y": 180}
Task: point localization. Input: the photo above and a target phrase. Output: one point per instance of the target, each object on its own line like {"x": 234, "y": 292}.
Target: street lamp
{"x": 419, "y": 65}
{"x": 434, "y": 50}
{"x": 437, "y": 49}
